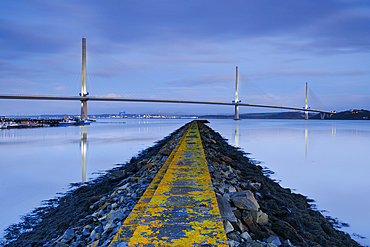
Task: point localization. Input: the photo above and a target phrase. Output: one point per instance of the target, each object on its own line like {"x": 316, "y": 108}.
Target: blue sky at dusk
{"x": 185, "y": 50}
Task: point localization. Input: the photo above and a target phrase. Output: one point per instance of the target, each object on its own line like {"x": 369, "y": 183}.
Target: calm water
{"x": 324, "y": 160}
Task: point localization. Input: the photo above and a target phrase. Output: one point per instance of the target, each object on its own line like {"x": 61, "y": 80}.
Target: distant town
{"x": 353, "y": 114}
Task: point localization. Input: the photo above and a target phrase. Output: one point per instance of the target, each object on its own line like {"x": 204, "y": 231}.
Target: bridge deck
{"x": 179, "y": 208}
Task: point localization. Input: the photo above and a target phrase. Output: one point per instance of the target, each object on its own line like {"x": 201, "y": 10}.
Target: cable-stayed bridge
{"x": 84, "y": 97}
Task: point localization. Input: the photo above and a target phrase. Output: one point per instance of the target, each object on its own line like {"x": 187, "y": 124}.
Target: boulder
{"x": 240, "y": 226}
{"x": 287, "y": 243}
{"x": 60, "y": 245}
{"x": 232, "y": 243}
{"x": 245, "y": 200}
{"x": 115, "y": 214}
{"x": 225, "y": 209}
{"x": 245, "y": 236}
{"x": 67, "y": 236}
{"x": 251, "y": 243}
{"x": 274, "y": 240}
{"x": 250, "y": 222}
{"x": 165, "y": 151}
{"x": 228, "y": 226}
{"x": 142, "y": 163}
{"x": 116, "y": 175}
{"x": 232, "y": 189}
{"x": 234, "y": 236}
{"x": 226, "y": 159}
{"x": 262, "y": 218}
{"x": 256, "y": 186}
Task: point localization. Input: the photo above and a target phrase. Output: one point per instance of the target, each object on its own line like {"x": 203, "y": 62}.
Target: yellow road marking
{"x": 182, "y": 209}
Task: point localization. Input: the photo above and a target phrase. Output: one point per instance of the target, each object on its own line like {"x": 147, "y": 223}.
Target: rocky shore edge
{"x": 256, "y": 210}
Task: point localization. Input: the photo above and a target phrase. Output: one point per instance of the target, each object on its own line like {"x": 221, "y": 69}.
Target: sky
{"x": 185, "y": 50}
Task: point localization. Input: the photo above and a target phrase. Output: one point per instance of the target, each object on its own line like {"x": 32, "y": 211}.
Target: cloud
{"x": 186, "y": 49}
{"x": 41, "y": 26}
{"x": 326, "y": 24}
{"x": 346, "y": 30}
{"x": 59, "y": 88}
{"x": 341, "y": 102}
{"x": 311, "y": 73}
{"x": 208, "y": 79}
{"x": 34, "y": 27}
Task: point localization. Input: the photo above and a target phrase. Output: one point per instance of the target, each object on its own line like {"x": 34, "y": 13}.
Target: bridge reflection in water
{"x": 236, "y": 136}
{"x": 236, "y": 133}
{"x": 83, "y": 146}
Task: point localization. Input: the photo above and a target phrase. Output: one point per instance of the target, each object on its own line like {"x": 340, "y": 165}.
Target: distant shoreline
{"x": 352, "y": 114}
{"x": 81, "y": 215}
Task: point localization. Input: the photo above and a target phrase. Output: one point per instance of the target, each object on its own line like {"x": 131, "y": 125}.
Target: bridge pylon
{"x": 306, "y": 105}
{"x": 84, "y": 92}
{"x": 236, "y": 116}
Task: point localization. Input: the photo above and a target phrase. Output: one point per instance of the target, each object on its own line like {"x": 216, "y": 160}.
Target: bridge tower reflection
{"x": 83, "y": 152}
{"x": 306, "y": 141}
{"x": 236, "y": 134}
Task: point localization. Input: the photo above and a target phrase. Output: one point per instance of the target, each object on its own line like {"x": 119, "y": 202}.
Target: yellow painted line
{"x": 132, "y": 221}
{"x": 184, "y": 210}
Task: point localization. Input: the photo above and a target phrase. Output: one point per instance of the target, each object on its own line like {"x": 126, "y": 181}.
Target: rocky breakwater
{"x": 256, "y": 211}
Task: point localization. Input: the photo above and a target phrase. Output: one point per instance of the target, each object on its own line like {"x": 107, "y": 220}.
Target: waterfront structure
{"x": 84, "y": 97}
{"x": 236, "y": 96}
{"x": 84, "y": 92}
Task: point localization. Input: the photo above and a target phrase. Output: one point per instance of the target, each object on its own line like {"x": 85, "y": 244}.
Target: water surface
{"x": 324, "y": 160}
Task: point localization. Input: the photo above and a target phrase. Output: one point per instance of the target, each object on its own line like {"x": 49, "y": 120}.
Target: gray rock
{"x": 165, "y": 151}
{"x": 245, "y": 200}
{"x": 234, "y": 236}
{"x": 245, "y": 185}
{"x": 98, "y": 229}
{"x": 232, "y": 189}
{"x": 256, "y": 186}
{"x": 86, "y": 232}
{"x": 250, "y": 221}
{"x": 226, "y": 159}
{"x": 225, "y": 209}
{"x": 109, "y": 226}
{"x": 230, "y": 169}
{"x": 142, "y": 163}
{"x": 123, "y": 244}
{"x": 115, "y": 214}
{"x": 80, "y": 243}
{"x": 245, "y": 236}
{"x": 68, "y": 236}
{"x": 221, "y": 189}
{"x": 287, "y": 243}
{"x": 251, "y": 243}
{"x": 262, "y": 218}
{"x": 93, "y": 235}
{"x": 240, "y": 226}
{"x": 60, "y": 245}
{"x": 232, "y": 243}
{"x": 271, "y": 245}
{"x": 107, "y": 242}
{"x": 274, "y": 240}
{"x": 228, "y": 226}
{"x": 98, "y": 214}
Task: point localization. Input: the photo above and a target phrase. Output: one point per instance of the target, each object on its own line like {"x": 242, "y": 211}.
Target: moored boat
{"x": 13, "y": 125}
{"x": 82, "y": 122}
{"x": 67, "y": 122}
{"x": 3, "y": 125}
